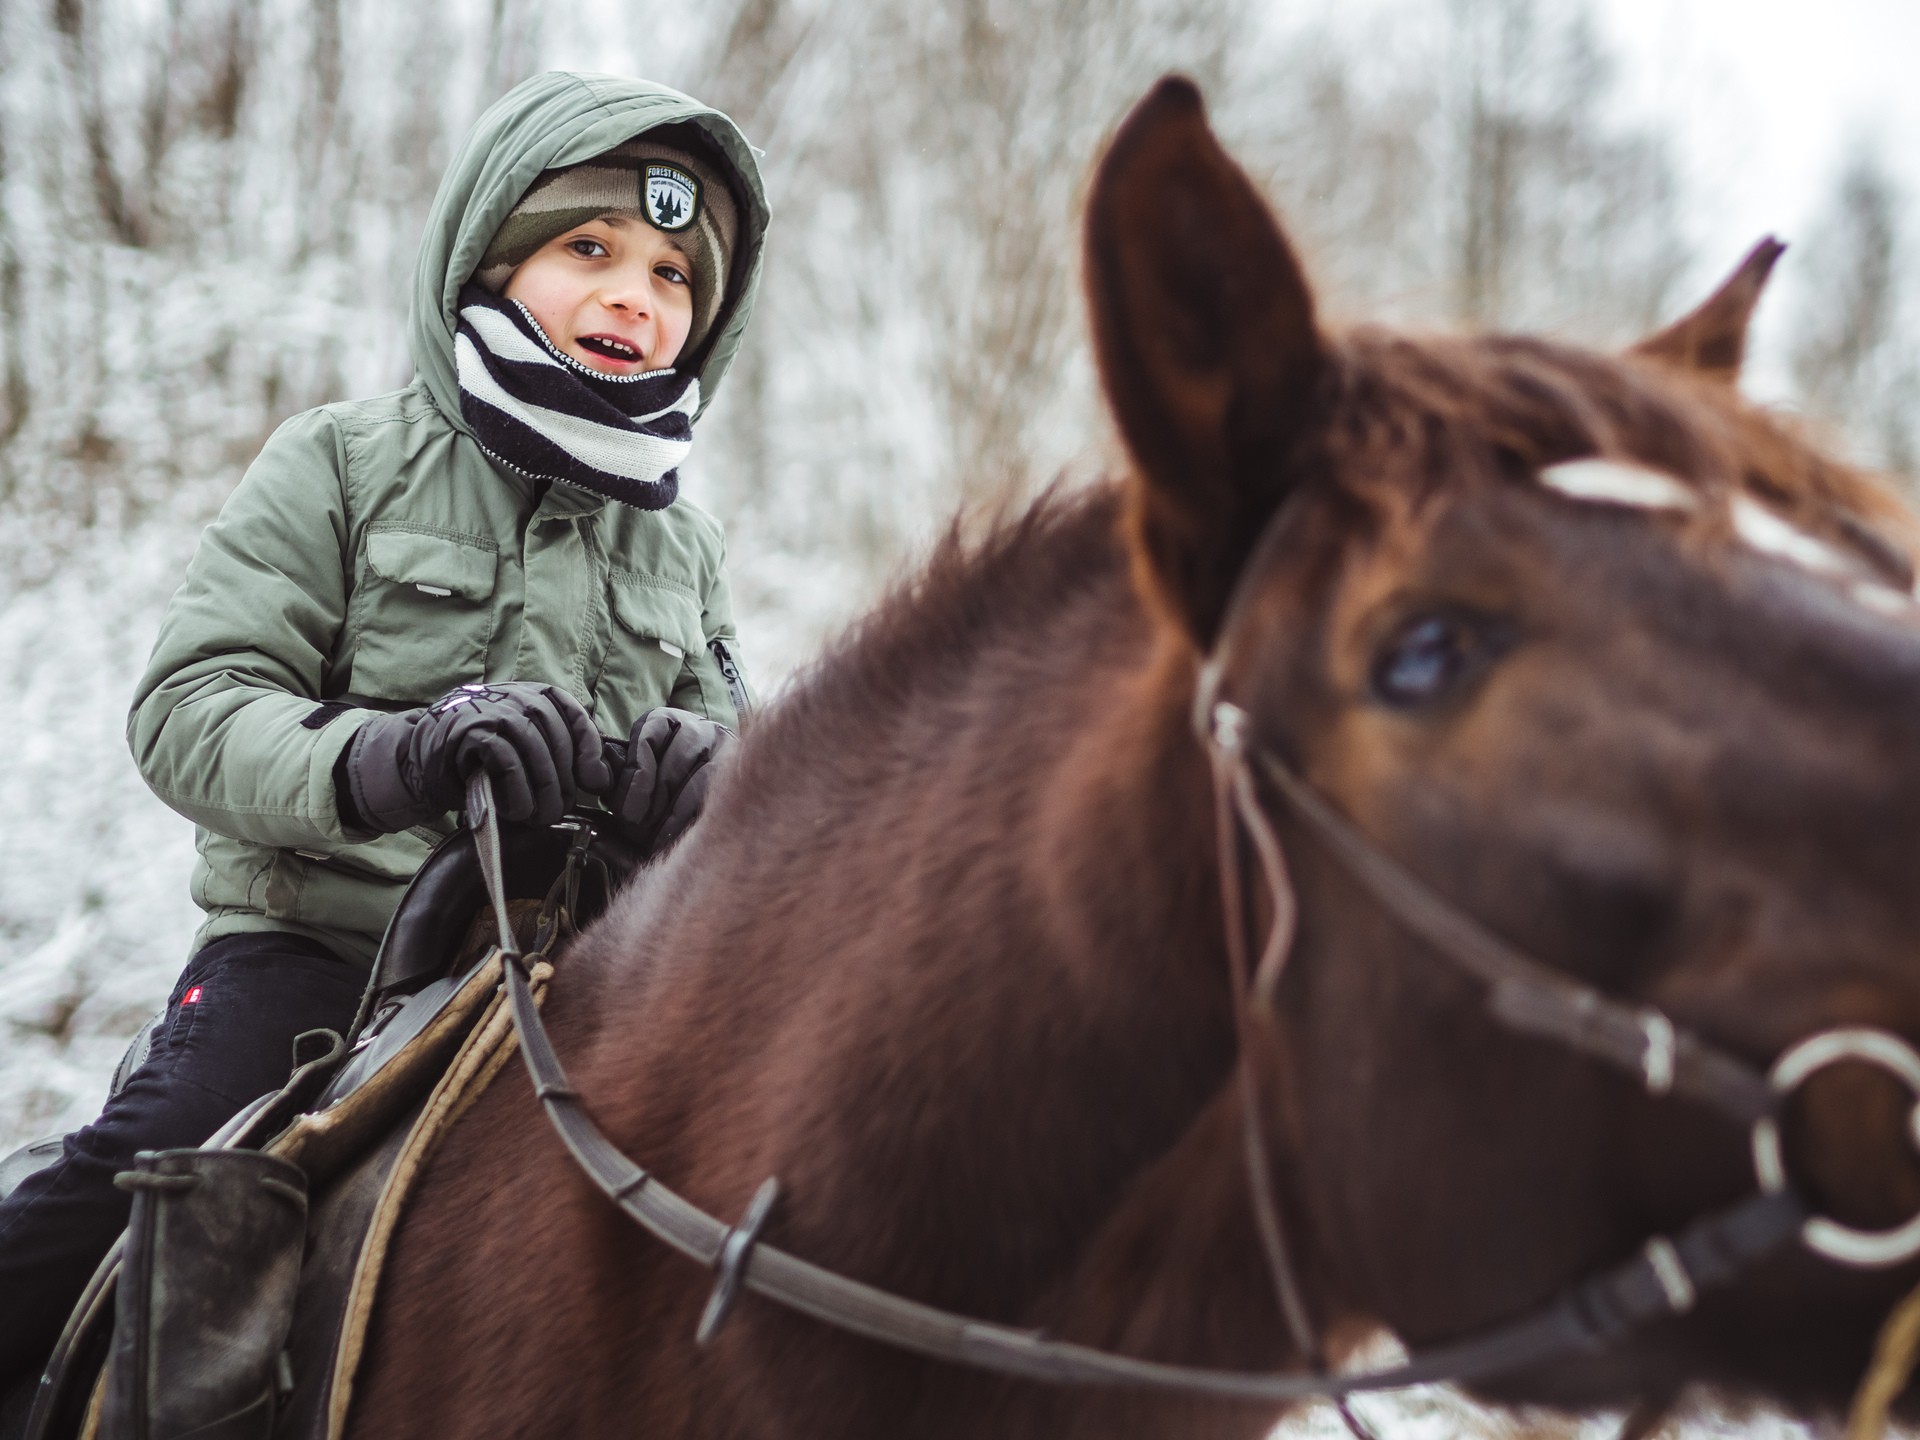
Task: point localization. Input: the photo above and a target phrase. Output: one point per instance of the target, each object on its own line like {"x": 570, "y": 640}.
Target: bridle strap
{"x": 1524, "y": 993}
{"x": 1235, "y": 805}
{"x": 1663, "y": 1279}
{"x": 1232, "y": 794}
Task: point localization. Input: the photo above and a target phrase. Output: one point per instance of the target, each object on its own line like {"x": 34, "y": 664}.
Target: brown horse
{"x": 946, "y": 953}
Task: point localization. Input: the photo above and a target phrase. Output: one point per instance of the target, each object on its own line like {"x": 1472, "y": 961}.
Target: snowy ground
{"x": 94, "y": 914}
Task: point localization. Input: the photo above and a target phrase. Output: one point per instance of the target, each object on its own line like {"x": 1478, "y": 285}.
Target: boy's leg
{"x": 228, "y": 1039}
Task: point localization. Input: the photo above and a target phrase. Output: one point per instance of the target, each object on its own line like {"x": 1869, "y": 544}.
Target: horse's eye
{"x": 1423, "y": 660}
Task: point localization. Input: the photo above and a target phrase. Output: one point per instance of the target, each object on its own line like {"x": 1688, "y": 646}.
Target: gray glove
{"x": 660, "y": 788}
{"x": 536, "y": 741}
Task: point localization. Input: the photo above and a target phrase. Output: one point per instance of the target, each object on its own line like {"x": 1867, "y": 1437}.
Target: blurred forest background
{"x": 208, "y": 211}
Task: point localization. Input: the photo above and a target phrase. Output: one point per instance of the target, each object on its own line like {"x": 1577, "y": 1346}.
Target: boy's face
{"x": 615, "y": 294}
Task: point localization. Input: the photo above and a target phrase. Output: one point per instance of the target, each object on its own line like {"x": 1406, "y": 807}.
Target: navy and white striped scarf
{"x": 539, "y": 411}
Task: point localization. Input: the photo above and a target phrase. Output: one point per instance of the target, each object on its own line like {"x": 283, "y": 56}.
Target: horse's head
{"x": 1612, "y": 662}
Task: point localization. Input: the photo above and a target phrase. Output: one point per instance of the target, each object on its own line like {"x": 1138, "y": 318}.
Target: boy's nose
{"x": 626, "y": 293}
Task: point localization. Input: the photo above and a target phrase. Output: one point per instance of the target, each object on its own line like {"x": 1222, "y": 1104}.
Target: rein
{"x": 1663, "y": 1279}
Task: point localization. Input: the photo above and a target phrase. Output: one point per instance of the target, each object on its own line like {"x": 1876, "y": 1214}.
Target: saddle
{"x": 236, "y": 1302}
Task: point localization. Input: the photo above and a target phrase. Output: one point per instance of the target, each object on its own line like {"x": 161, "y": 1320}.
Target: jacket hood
{"x": 555, "y": 119}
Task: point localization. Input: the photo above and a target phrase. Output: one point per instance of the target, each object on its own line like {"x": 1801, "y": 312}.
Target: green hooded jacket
{"x": 374, "y": 557}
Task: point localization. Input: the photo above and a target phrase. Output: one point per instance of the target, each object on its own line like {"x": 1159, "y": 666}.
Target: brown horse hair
{"x": 945, "y": 951}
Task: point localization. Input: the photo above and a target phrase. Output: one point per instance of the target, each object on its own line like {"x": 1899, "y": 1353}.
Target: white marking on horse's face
{"x": 1766, "y": 532}
{"x": 1882, "y": 599}
{"x": 1612, "y": 482}
{"x": 1615, "y": 482}
{"x": 1770, "y": 535}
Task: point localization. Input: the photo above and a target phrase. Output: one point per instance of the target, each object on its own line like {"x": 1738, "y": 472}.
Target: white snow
{"x": 94, "y": 913}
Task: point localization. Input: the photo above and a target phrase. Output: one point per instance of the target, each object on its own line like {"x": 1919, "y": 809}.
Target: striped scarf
{"x": 539, "y": 411}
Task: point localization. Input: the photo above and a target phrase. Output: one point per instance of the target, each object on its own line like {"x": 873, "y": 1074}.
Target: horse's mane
{"x": 965, "y": 600}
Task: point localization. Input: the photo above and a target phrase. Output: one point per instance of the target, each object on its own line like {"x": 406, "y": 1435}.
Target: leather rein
{"x": 1664, "y": 1278}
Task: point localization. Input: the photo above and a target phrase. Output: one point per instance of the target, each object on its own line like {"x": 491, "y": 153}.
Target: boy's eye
{"x": 587, "y": 249}
{"x": 673, "y": 274}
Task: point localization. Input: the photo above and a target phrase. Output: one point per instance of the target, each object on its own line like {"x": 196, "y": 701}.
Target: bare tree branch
{"x": 1855, "y": 359}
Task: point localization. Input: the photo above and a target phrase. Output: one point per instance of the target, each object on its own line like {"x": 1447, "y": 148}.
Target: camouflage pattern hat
{"x": 678, "y": 193}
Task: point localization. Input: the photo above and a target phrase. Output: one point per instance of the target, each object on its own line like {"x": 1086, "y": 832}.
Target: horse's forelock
{"x": 1421, "y": 417}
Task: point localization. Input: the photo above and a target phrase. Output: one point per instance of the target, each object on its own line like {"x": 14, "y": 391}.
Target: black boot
{"x": 16, "y": 1404}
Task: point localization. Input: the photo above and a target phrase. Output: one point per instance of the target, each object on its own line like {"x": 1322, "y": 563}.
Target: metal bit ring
{"x": 1843, "y": 1244}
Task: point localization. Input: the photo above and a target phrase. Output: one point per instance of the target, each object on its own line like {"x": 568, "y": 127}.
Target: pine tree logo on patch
{"x": 673, "y": 197}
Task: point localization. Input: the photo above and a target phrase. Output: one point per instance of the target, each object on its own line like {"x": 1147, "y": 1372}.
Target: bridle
{"x": 1526, "y": 996}
{"x": 1664, "y": 1278}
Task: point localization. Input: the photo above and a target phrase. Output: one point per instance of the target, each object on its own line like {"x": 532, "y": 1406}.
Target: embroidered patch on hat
{"x": 673, "y": 197}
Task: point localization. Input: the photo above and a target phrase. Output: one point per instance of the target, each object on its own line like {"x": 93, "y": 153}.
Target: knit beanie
{"x": 678, "y": 193}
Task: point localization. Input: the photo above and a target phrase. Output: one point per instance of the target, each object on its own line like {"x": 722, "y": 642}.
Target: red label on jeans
{"x": 192, "y": 997}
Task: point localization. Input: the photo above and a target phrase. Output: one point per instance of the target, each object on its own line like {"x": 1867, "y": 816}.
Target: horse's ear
{"x": 1713, "y": 338}
{"x": 1203, "y": 327}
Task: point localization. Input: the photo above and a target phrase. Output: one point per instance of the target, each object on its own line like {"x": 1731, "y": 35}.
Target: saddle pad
{"x": 389, "y": 1072}
{"x": 488, "y": 1048}
{"x": 322, "y": 1141}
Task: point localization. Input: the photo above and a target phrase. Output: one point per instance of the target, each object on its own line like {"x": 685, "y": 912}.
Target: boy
{"x": 487, "y": 569}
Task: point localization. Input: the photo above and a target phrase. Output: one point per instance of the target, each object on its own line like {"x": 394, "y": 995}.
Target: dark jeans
{"x": 227, "y": 1040}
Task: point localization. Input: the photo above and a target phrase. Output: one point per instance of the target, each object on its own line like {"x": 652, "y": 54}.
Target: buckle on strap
{"x": 1663, "y": 1257}
{"x": 731, "y": 1262}
{"x": 1669, "y": 1273}
{"x": 1656, "y": 1061}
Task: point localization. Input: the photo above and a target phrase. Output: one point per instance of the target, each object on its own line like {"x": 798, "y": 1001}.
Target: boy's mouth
{"x": 609, "y": 347}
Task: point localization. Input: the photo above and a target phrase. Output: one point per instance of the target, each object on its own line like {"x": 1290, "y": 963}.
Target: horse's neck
{"x": 1174, "y": 1271}
{"x": 1175, "y": 1275}
{"x": 982, "y": 1031}
{"x": 1170, "y": 1268}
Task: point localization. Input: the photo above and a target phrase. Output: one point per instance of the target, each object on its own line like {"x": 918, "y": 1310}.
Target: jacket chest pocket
{"x": 655, "y": 635}
{"x": 424, "y": 614}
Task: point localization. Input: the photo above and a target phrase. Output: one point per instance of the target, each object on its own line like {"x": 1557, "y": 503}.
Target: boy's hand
{"x": 537, "y": 741}
{"x": 661, "y": 788}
